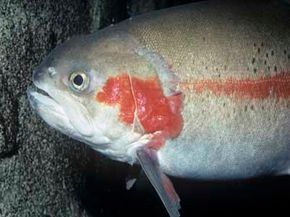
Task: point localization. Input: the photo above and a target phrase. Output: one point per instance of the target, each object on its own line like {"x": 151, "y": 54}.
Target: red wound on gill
{"x": 258, "y": 88}
{"x": 155, "y": 111}
{"x": 117, "y": 91}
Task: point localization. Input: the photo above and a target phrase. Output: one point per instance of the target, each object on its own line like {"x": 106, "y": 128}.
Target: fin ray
{"x": 159, "y": 180}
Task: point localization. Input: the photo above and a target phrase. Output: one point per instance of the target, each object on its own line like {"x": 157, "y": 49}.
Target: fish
{"x": 199, "y": 91}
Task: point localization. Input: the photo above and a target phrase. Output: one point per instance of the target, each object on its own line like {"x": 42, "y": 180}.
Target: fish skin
{"x": 224, "y": 135}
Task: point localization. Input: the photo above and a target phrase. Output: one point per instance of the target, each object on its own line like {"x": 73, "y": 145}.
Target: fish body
{"x": 198, "y": 91}
{"x": 236, "y": 131}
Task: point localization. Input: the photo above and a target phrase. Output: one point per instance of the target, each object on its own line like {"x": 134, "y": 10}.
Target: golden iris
{"x": 79, "y": 81}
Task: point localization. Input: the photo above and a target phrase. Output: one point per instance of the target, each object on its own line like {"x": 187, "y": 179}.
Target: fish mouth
{"x": 33, "y": 92}
{"x": 39, "y": 97}
{"x": 59, "y": 118}
{"x": 48, "y": 108}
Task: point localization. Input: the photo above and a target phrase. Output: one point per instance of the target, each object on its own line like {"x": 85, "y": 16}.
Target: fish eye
{"x": 79, "y": 81}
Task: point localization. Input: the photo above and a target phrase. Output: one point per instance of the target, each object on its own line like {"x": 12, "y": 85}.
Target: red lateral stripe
{"x": 155, "y": 111}
{"x": 260, "y": 88}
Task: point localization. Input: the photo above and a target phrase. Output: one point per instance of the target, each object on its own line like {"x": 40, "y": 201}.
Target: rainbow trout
{"x": 198, "y": 91}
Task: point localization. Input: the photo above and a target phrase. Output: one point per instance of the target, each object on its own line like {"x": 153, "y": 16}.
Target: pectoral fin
{"x": 159, "y": 180}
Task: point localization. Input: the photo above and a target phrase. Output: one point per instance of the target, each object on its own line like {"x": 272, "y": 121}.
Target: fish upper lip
{"x": 41, "y": 102}
{"x": 36, "y": 87}
{"x": 34, "y": 90}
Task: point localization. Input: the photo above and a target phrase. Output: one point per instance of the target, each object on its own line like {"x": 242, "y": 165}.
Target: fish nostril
{"x": 51, "y": 71}
{"x": 40, "y": 74}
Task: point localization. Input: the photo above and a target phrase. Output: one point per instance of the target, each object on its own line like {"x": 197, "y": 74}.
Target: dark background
{"x": 257, "y": 197}
{"x": 44, "y": 173}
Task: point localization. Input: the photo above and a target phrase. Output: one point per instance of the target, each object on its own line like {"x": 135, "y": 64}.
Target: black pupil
{"x": 78, "y": 80}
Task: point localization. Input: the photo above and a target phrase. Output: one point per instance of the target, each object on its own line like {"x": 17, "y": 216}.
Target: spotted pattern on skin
{"x": 145, "y": 100}
{"x": 275, "y": 86}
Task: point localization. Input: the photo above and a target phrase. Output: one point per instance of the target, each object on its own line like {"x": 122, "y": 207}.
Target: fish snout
{"x": 37, "y": 76}
{"x": 43, "y": 75}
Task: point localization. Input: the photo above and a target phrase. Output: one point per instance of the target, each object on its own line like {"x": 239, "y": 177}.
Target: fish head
{"x": 68, "y": 90}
